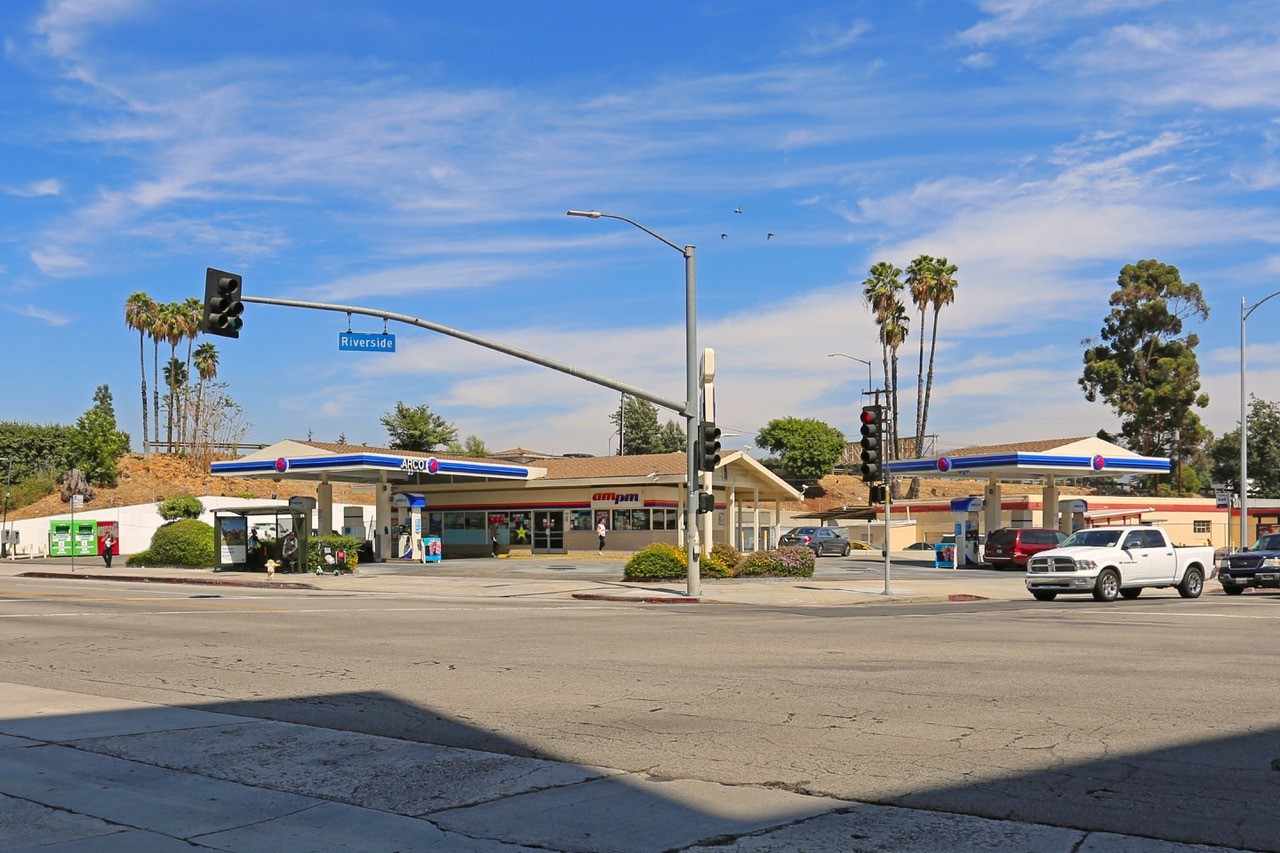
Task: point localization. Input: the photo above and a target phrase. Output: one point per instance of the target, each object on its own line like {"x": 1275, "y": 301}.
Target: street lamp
{"x": 1244, "y": 426}
{"x": 691, "y": 392}
{"x": 855, "y": 358}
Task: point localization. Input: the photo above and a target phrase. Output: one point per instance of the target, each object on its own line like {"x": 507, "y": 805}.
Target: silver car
{"x": 819, "y": 540}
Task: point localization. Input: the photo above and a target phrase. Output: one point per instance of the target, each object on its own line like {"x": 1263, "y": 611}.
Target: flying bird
{"x": 768, "y": 236}
{"x": 722, "y": 236}
{"x": 738, "y": 209}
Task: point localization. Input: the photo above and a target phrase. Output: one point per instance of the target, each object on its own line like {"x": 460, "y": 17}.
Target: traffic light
{"x": 878, "y": 494}
{"x": 708, "y": 446}
{"x": 222, "y": 305}
{"x": 872, "y": 419}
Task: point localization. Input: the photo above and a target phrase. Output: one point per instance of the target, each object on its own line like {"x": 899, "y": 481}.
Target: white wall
{"x": 139, "y": 522}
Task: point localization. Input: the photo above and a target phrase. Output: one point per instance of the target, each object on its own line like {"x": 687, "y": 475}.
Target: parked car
{"x": 1012, "y": 546}
{"x": 819, "y": 540}
{"x": 1113, "y": 562}
{"x": 1257, "y": 565}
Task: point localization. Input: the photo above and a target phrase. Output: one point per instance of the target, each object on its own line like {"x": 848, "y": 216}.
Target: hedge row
{"x": 661, "y": 561}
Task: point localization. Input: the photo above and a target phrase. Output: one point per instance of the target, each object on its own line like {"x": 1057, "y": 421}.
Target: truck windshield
{"x": 1270, "y": 542}
{"x": 1092, "y": 539}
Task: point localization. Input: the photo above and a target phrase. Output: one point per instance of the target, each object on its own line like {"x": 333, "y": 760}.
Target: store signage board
{"x": 363, "y": 342}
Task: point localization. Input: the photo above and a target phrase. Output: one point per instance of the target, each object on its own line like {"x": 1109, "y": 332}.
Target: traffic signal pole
{"x": 484, "y": 342}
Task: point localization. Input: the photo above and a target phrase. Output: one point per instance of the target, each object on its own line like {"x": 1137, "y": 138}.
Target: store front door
{"x": 548, "y": 532}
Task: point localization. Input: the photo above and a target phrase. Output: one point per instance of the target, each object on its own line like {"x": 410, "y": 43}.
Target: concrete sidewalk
{"x": 577, "y": 577}
{"x": 83, "y": 772}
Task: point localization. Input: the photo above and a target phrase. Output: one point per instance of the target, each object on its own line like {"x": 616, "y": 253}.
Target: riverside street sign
{"x": 362, "y": 342}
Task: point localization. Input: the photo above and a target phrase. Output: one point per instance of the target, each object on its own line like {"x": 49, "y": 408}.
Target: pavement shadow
{"x": 372, "y": 750}
{"x": 245, "y": 774}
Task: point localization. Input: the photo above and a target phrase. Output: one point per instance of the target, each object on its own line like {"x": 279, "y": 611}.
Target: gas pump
{"x": 1071, "y": 514}
{"x": 967, "y": 513}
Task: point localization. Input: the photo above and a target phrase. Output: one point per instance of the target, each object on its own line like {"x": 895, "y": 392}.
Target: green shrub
{"x": 180, "y": 506}
{"x": 187, "y": 542}
{"x": 792, "y": 561}
{"x": 33, "y": 487}
{"x": 349, "y": 544}
{"x": 722, "y": 562}
{"x": 658, "y": 561}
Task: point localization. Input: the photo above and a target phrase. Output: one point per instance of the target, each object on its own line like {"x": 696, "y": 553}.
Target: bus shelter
{"x": 244, "y": 538}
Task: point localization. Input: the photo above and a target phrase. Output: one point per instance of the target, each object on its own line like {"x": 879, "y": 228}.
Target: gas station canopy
{"x": 1048, "y": 458}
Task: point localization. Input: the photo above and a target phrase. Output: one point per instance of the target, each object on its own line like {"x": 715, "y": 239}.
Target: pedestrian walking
{"x": 602, "y": 530}
{"x": 108, "y": 545}
{"x": 493, "y": 538}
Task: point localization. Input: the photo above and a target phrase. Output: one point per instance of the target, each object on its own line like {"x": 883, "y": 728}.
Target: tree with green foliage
{"x": 95, "y": 445}
{"x": 185, "y": 505}
{"x": 472, "y": 446}
{"x": 641, "y": 432}
{"x": 1144, "y": 366}
{"x": 1264, "y": 452}
{"x": 807, "y": 448}
{"x": 418, "y": 428}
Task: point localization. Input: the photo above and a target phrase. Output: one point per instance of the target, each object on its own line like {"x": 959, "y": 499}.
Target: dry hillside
{"x": 161, "y": 476}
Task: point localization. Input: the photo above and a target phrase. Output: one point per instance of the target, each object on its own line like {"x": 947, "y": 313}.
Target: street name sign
{"x": 362, "y": 342}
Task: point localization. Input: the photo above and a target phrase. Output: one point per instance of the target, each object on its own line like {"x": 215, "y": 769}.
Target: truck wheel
{"x": 1041, "y": 595}
{"x": 1192, "y": 584}
{"x": 1107, "y": 586}
{"x": 1233, "y": 590}
{"x": 1131, "y": 592}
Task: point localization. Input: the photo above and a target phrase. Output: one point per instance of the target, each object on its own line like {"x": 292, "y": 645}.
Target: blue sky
{"x": 419, "y": 158}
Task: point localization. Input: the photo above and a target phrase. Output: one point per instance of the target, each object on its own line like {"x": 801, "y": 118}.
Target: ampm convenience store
{"x": 530, "y": 502}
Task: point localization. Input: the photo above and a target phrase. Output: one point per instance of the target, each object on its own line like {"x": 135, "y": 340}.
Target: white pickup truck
{"x": 1118, "y": 561}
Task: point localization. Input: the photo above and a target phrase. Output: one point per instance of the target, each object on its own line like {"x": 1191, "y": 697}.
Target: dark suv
{"x": 1255, "y": 566}
{"x": 819, "y": 540}
{"x": 1009, "y": 547}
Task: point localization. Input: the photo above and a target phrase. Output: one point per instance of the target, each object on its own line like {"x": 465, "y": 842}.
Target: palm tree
{"x": 160, "y": 323}
{"x": 942, "y": 293}
{"x": 880, "y": 292}
{"x": 174, "y": 332}
{"x": 206, "y": 361}
{"x": 893, "y": 331}
{"x": 920, "y": 277}
{"x": 139, "y": 314}
{"x": 192, "y": 318}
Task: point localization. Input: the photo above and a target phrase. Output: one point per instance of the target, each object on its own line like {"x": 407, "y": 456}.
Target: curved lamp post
{"x": 1244, "y": 425}
{"x": 691, "y": 392}
{"x": 855, "y": 358}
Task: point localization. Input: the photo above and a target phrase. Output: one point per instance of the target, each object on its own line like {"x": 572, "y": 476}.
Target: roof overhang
{"x": 1086, "y": 458}
{"x": 296, "y": 461}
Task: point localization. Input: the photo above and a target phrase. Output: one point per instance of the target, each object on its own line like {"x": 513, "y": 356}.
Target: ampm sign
{"x": 362, "y": 342}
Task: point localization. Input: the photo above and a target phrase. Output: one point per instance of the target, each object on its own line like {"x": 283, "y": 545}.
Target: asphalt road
{"x": 1156, "y": 717}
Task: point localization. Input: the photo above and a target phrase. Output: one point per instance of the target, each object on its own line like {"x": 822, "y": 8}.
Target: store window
{"x": 580, "y": 519}
{"x": 1199, "y": 527}
{"x": 666, "y": 519}
{"x": 631, "y": 519}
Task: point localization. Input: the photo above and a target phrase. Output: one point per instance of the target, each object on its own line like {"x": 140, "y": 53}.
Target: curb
{"x": 642, "y": 599}
{"x": 146, "y": 579}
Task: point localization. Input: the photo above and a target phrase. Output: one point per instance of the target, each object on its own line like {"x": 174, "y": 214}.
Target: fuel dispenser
{"x": 967, "y": 514}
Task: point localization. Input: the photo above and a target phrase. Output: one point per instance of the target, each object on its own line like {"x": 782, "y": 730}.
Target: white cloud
{"x": 1023, "y": 19}
{"x": 36, "y": 189}
{"x": 53, "y": 318}
{"x": 57, "y": 262}
{"x": 829, "y": 39}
